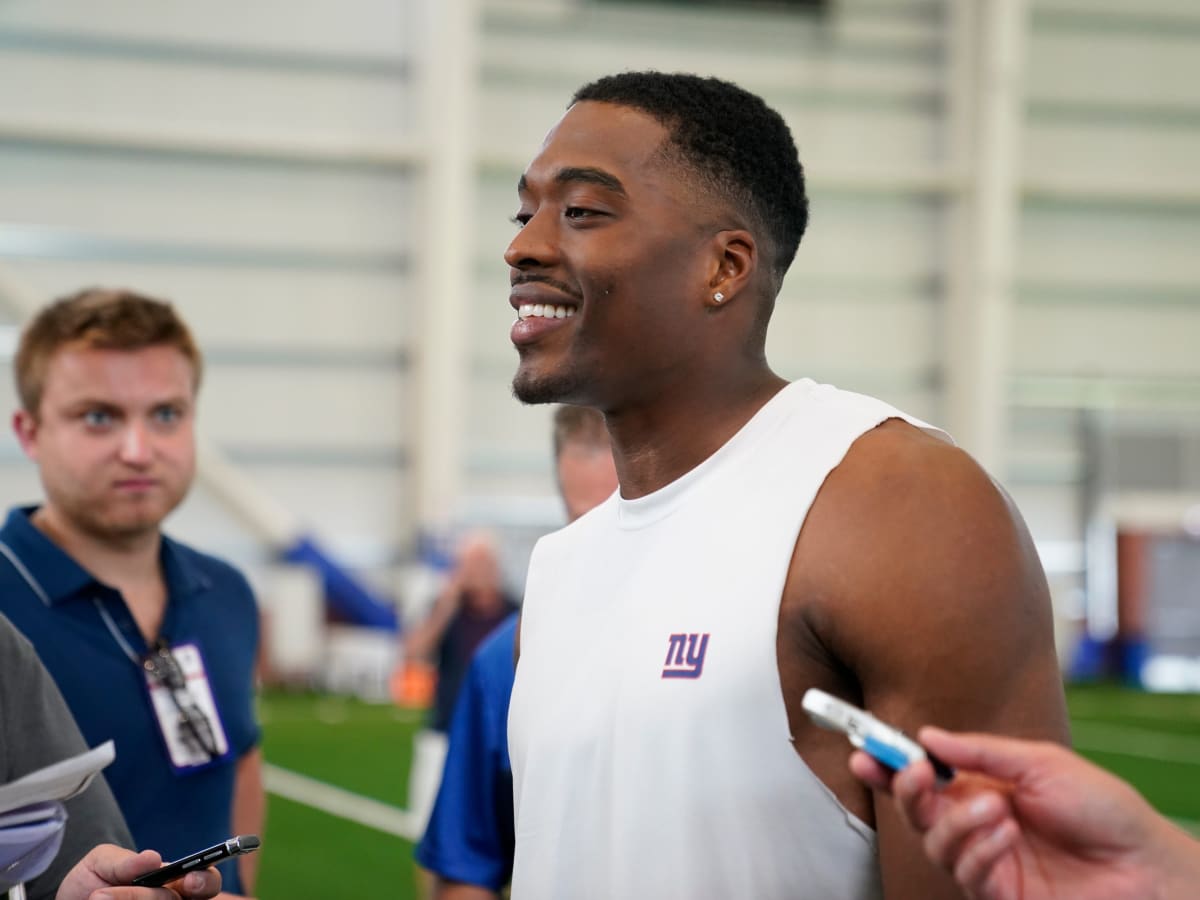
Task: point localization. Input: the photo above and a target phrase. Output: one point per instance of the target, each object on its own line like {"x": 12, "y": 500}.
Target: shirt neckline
{"x": 62, "y": 578}
{"x": 657, "y": 505}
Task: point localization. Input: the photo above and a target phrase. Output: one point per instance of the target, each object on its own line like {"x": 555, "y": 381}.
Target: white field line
{"x": 1189, "y": 825}
{"x": 1141, "y": 744}
{"x": 384, "y": 817}
{"x": 339, "y": 802}
{"x": 1134, "y": 707}
{"x": 1138, "y": 742}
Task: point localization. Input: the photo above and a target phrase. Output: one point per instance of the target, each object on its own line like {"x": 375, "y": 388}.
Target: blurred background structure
{"x": 1006, "y": 206}
{"x": 1006, "y": 216}
{"x": 1005, "y": 211}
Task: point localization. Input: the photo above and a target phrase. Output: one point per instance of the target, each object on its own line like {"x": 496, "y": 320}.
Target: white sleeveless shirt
{"x": 650, "y": 744}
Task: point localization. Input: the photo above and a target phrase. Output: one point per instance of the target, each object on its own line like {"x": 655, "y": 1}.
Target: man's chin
{"x": 133, "y": 524}
{"x": 531, "y": 389}
{"x": 130, "y": 529}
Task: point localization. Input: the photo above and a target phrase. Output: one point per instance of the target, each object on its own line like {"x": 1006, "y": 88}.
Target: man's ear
{"x": 736, "y": 263}
{"x": 25, "y": 427}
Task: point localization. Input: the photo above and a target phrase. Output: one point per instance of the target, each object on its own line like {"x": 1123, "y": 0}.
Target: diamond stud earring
{"x": 718, "y": 297}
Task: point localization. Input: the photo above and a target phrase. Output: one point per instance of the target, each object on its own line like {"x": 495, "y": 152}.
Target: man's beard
{"x": 554, "y": 387}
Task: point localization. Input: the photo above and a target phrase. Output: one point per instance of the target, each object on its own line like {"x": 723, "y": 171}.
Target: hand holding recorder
{"x": 889, "y": 746}
{"x": 1026, "y": 820}
{"x": 201, "y": 859}
{"x": 110, "y": 869}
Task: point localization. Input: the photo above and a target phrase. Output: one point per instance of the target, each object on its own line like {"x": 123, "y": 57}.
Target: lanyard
{"x": 196, "y": 721}
{"x": 38, "y": 591}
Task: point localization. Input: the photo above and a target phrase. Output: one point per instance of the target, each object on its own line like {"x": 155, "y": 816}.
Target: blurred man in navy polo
{"x": 151, "y": 643}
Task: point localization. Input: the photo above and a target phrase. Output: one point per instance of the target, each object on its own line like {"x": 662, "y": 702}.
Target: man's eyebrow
{"x": 585, "y": 174}
{"x": 591, "y": 176}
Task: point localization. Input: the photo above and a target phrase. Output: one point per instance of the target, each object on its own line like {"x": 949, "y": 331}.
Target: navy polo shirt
{"x": 470, "y": 836}
{"x": 210, "y": 604}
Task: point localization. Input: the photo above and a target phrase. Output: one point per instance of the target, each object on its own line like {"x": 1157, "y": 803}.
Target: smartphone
{"x": 201, "y": 859}
{"x": 890, "y": 746}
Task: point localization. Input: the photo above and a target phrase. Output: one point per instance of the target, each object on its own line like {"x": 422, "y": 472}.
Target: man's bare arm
{"x": 922, "y": 582}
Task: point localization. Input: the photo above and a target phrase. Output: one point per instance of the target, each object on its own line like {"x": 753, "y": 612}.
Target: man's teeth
{"x": 545, "y": 311}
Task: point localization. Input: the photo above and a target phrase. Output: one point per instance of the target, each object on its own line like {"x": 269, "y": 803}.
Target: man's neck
{"x": 113, "y": 560}
{"x": 654, "y": 446}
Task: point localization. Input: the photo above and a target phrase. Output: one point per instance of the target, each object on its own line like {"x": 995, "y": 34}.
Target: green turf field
{"x": 1152, "y": 740}
{"x": 360, "y": 747}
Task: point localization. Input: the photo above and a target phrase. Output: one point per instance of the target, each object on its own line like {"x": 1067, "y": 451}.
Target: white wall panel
{"x": 503, "y": 434}
{"x": 491, "y": 319}
{"x": 842, "y": 142}
{"x": 1107, "y": 341}
{"x": 1117, "y": 152}
{"x": 851, "y": 26}
{"x": 310, "y": 409}
{"x": 252, "y": 306}
{"x": 357, "y": 512}
{"x": 176, "y": 98}
{"x": 1164, "y": 11}
{"x": 350, "y": 27}
{"x": 1105, "y": 287}
{"x": 163, "y": 147}
{"x": 868, "y": 237}
{"x": 1050, "y": 445}
{"x": 19, "y": 483}
{"x": 779, "y": 67}
{"x": 1050, "y": 510}
{"x": 832, "y": 139}
{"x": 879, "y": 337}
{"x": 215, "y": 202}
{"x": 1115, "y": 66}
{"x": 281, "y": 412}
{"x": 1100, "y": 245}
{"x": 1107, "y": 269}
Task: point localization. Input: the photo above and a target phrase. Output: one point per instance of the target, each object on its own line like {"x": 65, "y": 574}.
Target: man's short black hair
{"x": 731, "y": 139}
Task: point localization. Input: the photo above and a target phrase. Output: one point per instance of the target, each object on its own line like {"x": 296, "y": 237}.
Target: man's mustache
{"x": 562, "y": 286}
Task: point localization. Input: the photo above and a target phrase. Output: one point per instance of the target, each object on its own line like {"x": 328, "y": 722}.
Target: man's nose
{"x": 534, "y": 245}
{"x": 135, "y": 444}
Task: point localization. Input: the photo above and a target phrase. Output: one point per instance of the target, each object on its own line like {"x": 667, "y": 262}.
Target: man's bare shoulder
{"x": 899, "y": 484}
{"x": 909, "y": 554}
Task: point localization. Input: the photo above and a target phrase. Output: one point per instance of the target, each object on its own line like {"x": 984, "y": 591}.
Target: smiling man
{"x": 151, "y": 643}
{"x": 767, "y": 537}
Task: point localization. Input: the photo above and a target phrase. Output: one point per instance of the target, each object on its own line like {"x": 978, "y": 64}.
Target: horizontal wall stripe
{"x": 310, "y": 455}
{"x": 167, "y": 52}
{"x": 1136, "y": 296}
{"x": 38, "y": 242}
{"x": 799, "y": 35}
{"x": 307, "y": 357}
{"x": 1122, "y": 23}
{"x": 217, "y": 145}
{"x": 1082, "y": 392}
{"x": 396, "y": 458}
{"x": 1061, "y": 111}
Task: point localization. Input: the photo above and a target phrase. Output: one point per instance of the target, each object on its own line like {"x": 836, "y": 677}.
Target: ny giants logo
{"x": 685, "y": 656}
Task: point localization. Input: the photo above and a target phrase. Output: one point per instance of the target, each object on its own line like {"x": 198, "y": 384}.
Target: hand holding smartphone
{"x": 201, "y": 859}
{"x": 890, "y": 746}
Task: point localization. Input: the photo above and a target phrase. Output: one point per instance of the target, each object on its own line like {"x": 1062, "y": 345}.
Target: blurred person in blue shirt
{"x": 471, "y": 604}
{"x": 469, "y": 841}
